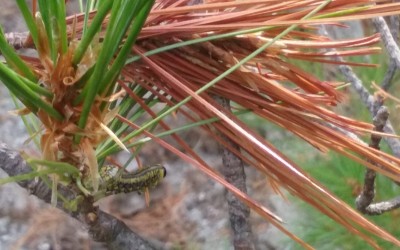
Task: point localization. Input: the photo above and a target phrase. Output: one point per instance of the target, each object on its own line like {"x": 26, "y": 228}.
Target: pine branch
{"x": 102, "y": 226}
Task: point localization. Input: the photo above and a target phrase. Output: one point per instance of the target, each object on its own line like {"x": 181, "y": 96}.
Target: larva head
{"x": 162, "y": 170}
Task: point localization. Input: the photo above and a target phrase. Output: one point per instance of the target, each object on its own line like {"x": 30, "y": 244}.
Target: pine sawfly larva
{"x": 115, "y": 181}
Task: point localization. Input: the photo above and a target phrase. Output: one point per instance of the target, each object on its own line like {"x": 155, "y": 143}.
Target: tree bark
{"x": 233, "y": 171}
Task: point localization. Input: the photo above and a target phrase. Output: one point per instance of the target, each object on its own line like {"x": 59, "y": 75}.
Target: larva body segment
{"x": 146, "y": 177}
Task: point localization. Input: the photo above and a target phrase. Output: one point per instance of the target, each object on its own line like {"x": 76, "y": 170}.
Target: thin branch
{"x": 381, "y": 122}
{"x": 102, "y": 226}
{"x": 388, "y": 40}
{"x": 18, "y": 40}
{"x": 395, "y": 25}
{"x": 367, "y": 195}
{"x": 364, "y": 200}
{"x": 394, "y": 33}
{"x": 368, "y": 100}
{"x": 233, "y": 171}
{"x": 356, "y": 83}
{"x": 384, "y": 206}
{"x": 373, "y": 105}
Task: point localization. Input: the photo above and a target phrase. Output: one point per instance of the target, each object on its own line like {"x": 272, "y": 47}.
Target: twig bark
{"x": 391, "y": 38}
{"x": 380, "y": 120}
{"x": 356, "y": 83}
{"x": 392, "y": 68}
{"x": 372, "y": 105}
{"x": 102, "y": 226}
{"x": 233, "y": 171}
{"x": 368, "y": 100}
{"x": 364, "y": 200}
{"x": 384, "y": 206}
{"x": 18, "y": 40}
{"x": 388, "y": 40}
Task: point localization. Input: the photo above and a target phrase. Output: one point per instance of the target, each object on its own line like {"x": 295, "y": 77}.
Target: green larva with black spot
{"x": 115, "y": 181}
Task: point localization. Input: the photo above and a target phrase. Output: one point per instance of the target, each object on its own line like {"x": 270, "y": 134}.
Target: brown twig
{"x": 368, "y": 100}
{"x": 18, "y": 40}
{"x": 102, "y": 226}
{"x": 365, "y": 199}
{"x": 381, "y": 123}
{"x": 367, "y": 195}
{"x": 233, "y": 171}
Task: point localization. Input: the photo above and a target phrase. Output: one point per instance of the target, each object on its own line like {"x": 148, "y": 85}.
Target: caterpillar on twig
{"x": 116, "y": 181}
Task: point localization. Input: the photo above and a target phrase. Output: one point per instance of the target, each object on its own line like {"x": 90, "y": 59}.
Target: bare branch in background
{"x": 394, "y": 26}
{"x": 388, "y": 40}
{"x": 233, "y": 171}
{"x": 394, "y": 30}
{"x": 18, "y": 40}
{"x": 382, "y": 207}
{"x": 380, "y": 114}
{"x": 102, "y": 226}
{"x": 364, "y": 200}
{"x": 368, "y": 99}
